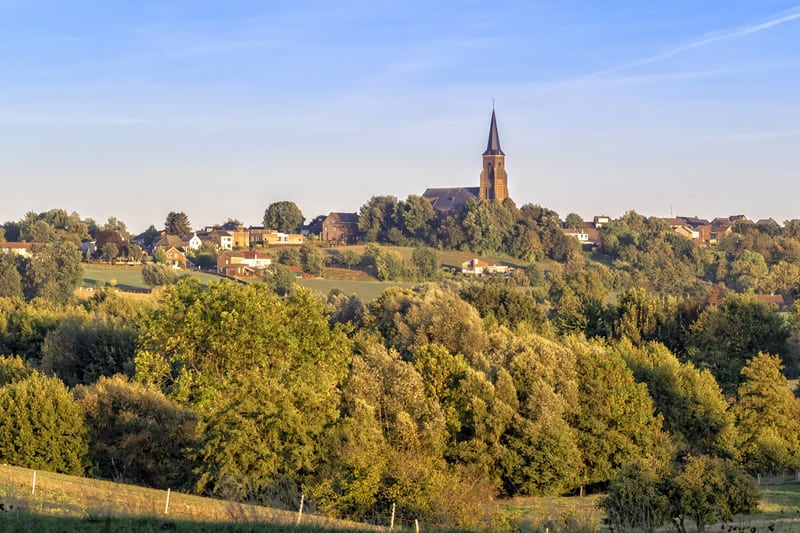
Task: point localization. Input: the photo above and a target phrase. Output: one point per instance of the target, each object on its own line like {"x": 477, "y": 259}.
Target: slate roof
{"x": 347, "y": 218}
{"x": 493, "y": 146}
{"x": 447, "y": 199}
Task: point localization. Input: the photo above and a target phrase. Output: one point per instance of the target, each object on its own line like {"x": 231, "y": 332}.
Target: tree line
{"x": 469, "y": 389}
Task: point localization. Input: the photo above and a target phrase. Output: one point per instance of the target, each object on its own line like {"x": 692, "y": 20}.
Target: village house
{"x": 241, "y": 264}
{"x": 175, "y": 258}
{"x": 474, "y": 267}
{"x": 22, "y": 249}
{"x": 341, "y": 228}
{"x": 260, "y": 235}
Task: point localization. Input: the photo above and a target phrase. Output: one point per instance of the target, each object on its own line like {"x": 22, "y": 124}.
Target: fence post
{"x": 166, "y": 505}
{"x": 416, "y": 525}
{"x": 391, "y": 522}
{"x": 758, "y": 478}
{"x": 33, "y": 484}
{"x": 300, "y": 512}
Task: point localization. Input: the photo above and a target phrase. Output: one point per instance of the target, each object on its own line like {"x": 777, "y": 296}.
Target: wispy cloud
{"x": 710, "y": 38}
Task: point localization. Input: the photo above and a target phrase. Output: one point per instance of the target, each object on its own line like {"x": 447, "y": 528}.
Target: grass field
{"x": 67, "y": 503}
{"x": 127, "y": 278}
{"x": 365, "y": 290}
{"x": 82, "y": 504}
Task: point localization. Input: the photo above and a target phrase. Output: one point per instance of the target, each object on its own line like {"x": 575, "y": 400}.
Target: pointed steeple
{"x": 493, "y": 146}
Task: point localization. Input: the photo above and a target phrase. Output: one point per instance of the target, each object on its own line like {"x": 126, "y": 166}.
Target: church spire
{"x": 493, "y": 146}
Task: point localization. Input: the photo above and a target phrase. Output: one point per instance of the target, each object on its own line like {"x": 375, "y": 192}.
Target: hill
{"x": 89, "y": 504}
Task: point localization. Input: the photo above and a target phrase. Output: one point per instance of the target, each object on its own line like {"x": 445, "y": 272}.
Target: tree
{"x": 417, "y": 219}
{"x": 10, "y": 278}
{"x": 149, "y": 235}
{"x": 375, "y": 218}
{"x": 426, "y": 262}
{"x": 311, "y": 259}
{"x": 635, "y": 499}
{"x": 110, "y": 252}
{"x": 114, "y": 224}
{"x": 136, "y": 434}
{"x": 694, "y": 410}
{"x": 54, "y": 272}
{"x": 702, "y": 488}
{"x": 616, "y": 422}
{"x": 350, "y": 258}
{"x": 158, "y": 274}
{"x": 283, "y": 216}
{"x": 706, "y": 489}
{"x": 769, "y": 417}
{"x": 41, "y": 426}
{"x": 279, "y": 279}
{"x": 574, "y": 221}
{"x": 13, "y": 369}
{"x": 81, "y": 350}
{"x": 265, "y": 395}
{"x": 724, "y": 337}
{"x": 177, "y": 223}
{"x": 289, "y": 256}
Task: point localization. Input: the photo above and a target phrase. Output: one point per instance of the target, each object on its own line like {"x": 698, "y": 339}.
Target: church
{"x": 493, "y": 183}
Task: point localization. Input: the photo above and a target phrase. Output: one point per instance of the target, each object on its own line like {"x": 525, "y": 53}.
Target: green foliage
{"x": 311, "y": 259}
{"x": 375, "y": 218}
{"x": 10, "y": 278}
{"x": 635, "y": 499}
{"x": 54, "y": 272}
{"x": 426, "y": 263}
{"x": 81, "y": 350}
{"x": 507, "y": 302}
{"x": 24, "y": 326}
{"x": 279, "y": 279}
{"x": 769, "y": 417}
{"x": 283, "y": 216}
{"x": 724, "y": 337}
{"x": 706, "y": 489}
{"x": 136, "y": 434}
{"x": 274, "y": 383}
{"x": 703, "y": 489}
{"x": 13, "y": 369}
{"x": 616, "y": 422}
{"x": 289, "y": 256}
{"x": 158, "y": 274}
{"x": 411, "y": 319}
{"x": 41, "y": 426}
{"x": 694, "y": 411}
{"x": 177, "y": 223}
{"x": 349, "y": 258}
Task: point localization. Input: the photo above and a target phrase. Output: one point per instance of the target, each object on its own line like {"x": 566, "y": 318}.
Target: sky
{"x": 220, "y": 108}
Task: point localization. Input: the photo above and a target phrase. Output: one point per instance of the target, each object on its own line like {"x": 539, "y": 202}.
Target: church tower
{"x": 494, "y": 180}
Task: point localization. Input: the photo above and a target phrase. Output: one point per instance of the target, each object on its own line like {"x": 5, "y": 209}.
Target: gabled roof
{"x": 493, "y": 146}
{"x": 348, "y": 218}
{"x": 447, "y": 199}
{"x": 165, "y": 241}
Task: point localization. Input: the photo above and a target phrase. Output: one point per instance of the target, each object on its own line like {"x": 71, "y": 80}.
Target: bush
{"x": 41, "y": 426}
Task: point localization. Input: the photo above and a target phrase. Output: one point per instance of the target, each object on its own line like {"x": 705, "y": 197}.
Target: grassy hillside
{"x": 67, "y": 503}
{"x": 86, "y": 504}
{"x": 127, "y": 278}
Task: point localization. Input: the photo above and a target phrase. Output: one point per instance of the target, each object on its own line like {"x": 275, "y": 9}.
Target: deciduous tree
{"x": 283, "y": 216}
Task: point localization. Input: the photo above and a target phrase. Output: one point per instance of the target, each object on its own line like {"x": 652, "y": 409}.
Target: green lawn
{"x": 365, "y": 290}
{"x": 127, "y": 278}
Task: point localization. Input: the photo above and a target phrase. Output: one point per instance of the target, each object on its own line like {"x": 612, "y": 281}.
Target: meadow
{"x": 62, "y": 503}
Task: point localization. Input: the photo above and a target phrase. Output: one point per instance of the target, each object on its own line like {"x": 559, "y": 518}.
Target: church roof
{"x": 447, "y": 199}
{"x": 493, "y": 146}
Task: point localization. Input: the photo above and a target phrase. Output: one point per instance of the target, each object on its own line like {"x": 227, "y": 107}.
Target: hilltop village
{"x": 503, "y": 351}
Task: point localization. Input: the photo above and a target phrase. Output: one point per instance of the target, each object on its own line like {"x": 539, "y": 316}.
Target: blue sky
{"x": 135, "y": 109}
